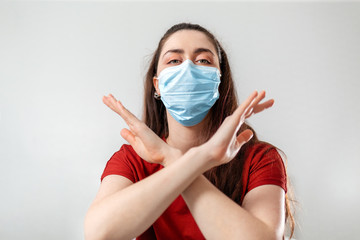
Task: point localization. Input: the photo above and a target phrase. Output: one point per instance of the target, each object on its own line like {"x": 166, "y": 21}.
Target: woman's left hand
{"x": 225, "y": 143}
{"x": 256, "y": 107}
{"x": 144, "y": 141}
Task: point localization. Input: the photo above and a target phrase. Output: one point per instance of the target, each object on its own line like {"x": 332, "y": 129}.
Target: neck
{"x": 184, "y": 138}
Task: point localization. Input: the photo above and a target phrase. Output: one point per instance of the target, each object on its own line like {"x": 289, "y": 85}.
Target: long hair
{"x": 225, "y": 177}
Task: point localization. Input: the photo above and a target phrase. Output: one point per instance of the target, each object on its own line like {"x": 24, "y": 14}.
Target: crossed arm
{"x": 115, "y": 212}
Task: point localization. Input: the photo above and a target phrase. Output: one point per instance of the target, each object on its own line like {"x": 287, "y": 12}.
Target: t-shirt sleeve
{"x": 267, "y": 168}
{"x": 119, "y": 164}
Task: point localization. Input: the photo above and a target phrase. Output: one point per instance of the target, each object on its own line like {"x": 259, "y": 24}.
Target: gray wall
{"x": 57, "y": 60}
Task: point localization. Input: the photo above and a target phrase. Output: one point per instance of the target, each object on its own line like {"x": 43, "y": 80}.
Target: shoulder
{"x": 259, "y": 149}
{"x": 262, "y": 151}
{"x": 128, "y": 163}
{"x": 122, "y": 162}
{"x": 126, "y": 152}
{"x": 264, "y": 165}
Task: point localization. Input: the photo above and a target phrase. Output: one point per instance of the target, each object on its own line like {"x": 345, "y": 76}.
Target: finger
{"x": 233, "y": 122}
{"x": 107, "y": 101}
{"x": 244, "y": 137}
{"x": 259, "y": 97}
{"x": 263, "y": 106}
{"x": 260, "y": 107}
{"x": 137, "y": 127}
{"x": 114, "y": 103}
{"x": 110, "y": 101}
{"x": 129, "y": 118}
{"x": 128, "y": 136}
{"x": 137, "y": 145}
{"x": 125, "y": 113}
{"x": 119, "y": 108}
{"x": 245, "y": 105}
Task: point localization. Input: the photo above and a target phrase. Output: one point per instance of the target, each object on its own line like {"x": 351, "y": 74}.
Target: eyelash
{"x": 207, "y": 61}
{"x": 171, "y": 61}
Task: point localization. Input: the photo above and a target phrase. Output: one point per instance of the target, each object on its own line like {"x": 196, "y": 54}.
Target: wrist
{"x": 204, "y": 155}
{"x": 172, "y": 156}
{"x": 201, "y": 158}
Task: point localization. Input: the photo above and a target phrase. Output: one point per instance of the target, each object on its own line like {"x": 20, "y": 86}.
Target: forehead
{"x": 187, "y": 40}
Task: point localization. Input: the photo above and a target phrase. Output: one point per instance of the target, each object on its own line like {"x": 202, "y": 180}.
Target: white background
{"x": 58, "y": 59}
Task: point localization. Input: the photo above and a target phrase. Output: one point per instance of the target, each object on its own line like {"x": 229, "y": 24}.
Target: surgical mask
{"x": 188, "y": 91}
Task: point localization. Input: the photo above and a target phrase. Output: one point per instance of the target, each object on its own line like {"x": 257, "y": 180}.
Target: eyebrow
{"x": 198, "y": 50}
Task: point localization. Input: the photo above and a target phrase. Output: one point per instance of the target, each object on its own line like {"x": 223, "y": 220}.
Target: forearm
{"x": 129, "y": 212}
{"x": 219, "y": 217}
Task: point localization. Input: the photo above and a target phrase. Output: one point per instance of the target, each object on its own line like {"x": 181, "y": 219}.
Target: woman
{"x": 194, "y": 169}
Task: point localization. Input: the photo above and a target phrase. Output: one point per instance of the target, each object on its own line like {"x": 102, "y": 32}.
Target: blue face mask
{"x": 188, "y": 91}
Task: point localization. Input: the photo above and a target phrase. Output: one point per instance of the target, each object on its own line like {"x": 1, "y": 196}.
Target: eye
{"x": 174, "y": 61}
{"x": 203, "y": 61}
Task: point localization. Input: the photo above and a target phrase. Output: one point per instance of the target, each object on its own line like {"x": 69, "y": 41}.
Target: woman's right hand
{"x": 144, "y": 141}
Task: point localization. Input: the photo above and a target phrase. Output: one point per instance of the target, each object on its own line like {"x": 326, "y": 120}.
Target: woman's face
{"x": 188, "y": 44}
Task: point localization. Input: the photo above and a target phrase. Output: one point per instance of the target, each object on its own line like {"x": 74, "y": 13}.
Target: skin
{"x": 183, "y": 138}
{"x": 115, "y": 212}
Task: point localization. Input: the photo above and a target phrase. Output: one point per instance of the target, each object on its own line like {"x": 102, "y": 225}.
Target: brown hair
{"x": 225, "y": 177}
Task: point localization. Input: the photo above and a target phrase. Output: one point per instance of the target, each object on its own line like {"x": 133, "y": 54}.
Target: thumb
{"x": 244, "y": 137}
{"x": 128, "y": 136}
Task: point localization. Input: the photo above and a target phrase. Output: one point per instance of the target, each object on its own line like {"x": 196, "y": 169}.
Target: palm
{"x": 225, "y": 144}
{"x": 147, "y": 151}
{"x": 144, "y": 141}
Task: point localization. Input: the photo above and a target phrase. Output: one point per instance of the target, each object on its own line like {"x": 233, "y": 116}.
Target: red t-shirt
{"x": 263, "y": 165}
